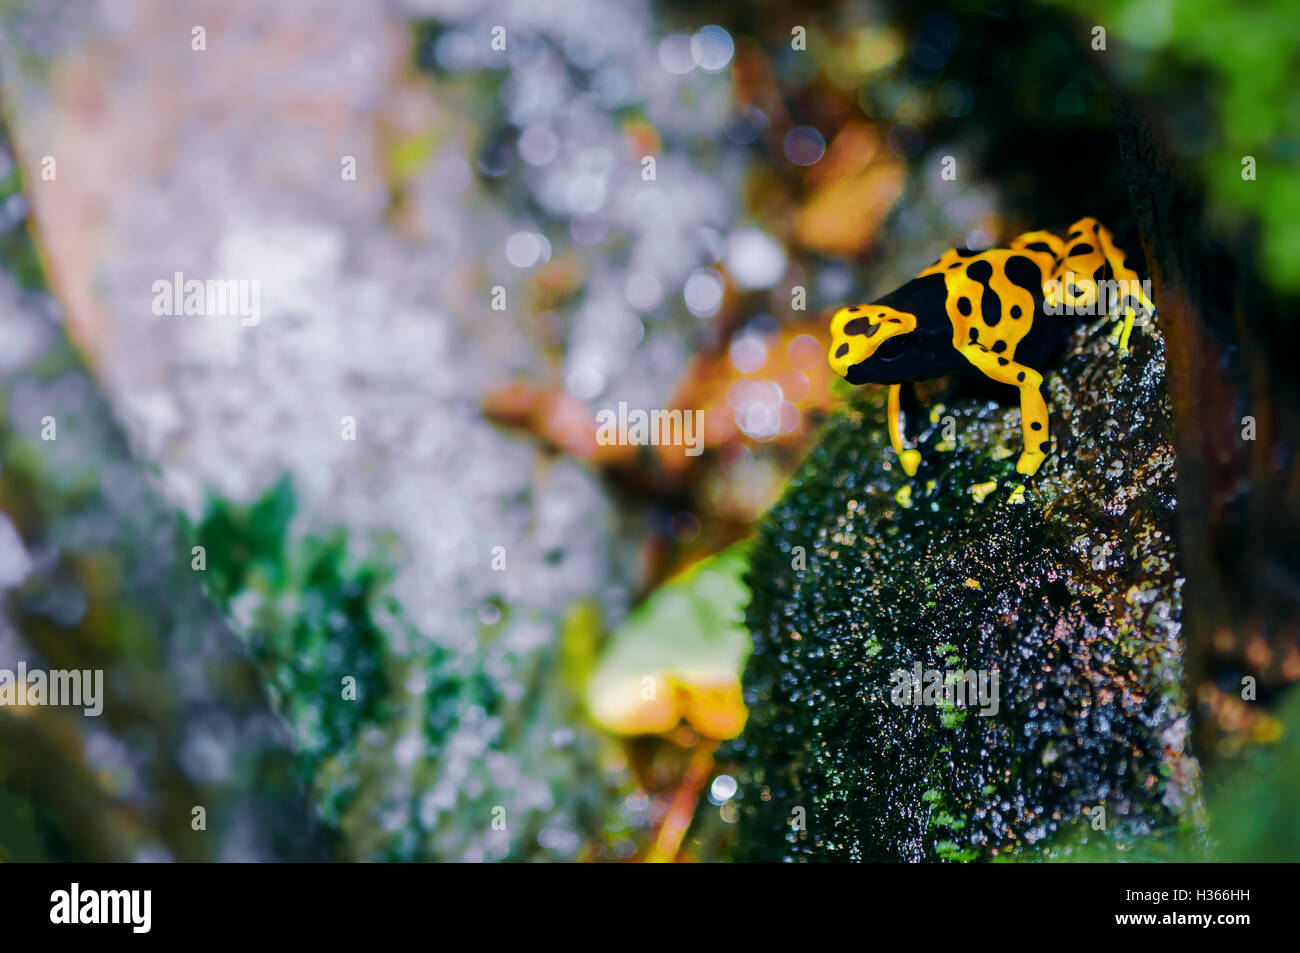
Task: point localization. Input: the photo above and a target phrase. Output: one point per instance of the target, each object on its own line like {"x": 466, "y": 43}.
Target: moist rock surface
{"x": 1065, "y": 584}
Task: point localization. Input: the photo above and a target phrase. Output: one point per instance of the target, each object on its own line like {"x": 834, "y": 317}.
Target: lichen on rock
{"x": 1065, "y": 584}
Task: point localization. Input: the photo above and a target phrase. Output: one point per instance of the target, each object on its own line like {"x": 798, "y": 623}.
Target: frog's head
{"x": 865, "y": 339}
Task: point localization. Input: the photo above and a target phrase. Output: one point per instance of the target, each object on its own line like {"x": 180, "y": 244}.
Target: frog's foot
{"x": 1116, "y": 334}
{"x": 1033, "y": 410}
{"x": 1122, "y": 331}
{"x": 1129, "y": 300}
{"x": 1030, "y": 461}
{"x": 909, "y": 458}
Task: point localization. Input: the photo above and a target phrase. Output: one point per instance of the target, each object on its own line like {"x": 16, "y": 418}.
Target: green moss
{"x": 1071, "y": 597}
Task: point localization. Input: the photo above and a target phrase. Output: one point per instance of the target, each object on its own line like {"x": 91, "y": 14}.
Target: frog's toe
{"x": 910, "y": 459}
{"x": 1030, "y": 461}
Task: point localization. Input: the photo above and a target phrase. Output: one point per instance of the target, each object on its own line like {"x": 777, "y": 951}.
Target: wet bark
{"x": 1229, "y": 359}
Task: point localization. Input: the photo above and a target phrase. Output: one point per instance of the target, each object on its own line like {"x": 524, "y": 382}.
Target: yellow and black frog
{"x": 1002, "y": 312}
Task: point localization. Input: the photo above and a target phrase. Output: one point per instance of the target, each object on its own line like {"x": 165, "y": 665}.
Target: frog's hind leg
{"x": 1048, "y": 253}
{"x": 1127, "y": 290}
{"x": 1044, "y": 243}
{"x": 909, "y": 458}
{"x": 1033, "y": 410}
{"x": 1118, "y": 287}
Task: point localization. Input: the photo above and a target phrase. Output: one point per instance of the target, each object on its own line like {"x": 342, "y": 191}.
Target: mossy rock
{"x": 1065, "y": 583}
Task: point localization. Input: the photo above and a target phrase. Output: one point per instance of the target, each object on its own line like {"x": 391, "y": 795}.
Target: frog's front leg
{"x": 910, "y": 459}
{"x": 1033, "y": 410}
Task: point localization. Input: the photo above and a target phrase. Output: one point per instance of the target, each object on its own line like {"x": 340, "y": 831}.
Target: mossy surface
{"x": 1067, "y": 588}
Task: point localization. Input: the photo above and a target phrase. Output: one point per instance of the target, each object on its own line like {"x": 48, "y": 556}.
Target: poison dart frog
{"x": 1002, "y": 313}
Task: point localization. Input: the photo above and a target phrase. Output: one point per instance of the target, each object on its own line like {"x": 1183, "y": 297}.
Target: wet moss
{"x": 1065, "y": 584}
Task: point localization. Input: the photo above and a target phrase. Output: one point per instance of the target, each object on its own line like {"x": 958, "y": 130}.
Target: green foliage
{"x": 692, "y": 626}
{"x": 1240, "y": 60}
{"x": 246, "y": 545}
{"x": 19, "y": 838}
{"x": 414, "y": 765}
{"x": 312, "y": 617}
{"x": 1255, "y": 803}
{"x": 18, "y": 254}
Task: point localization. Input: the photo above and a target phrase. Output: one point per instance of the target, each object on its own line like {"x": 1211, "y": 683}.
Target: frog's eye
{"x": 863, "y": 326}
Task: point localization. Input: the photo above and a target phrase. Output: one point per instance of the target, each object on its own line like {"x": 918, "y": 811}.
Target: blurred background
{"x": 475, "y": 225}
